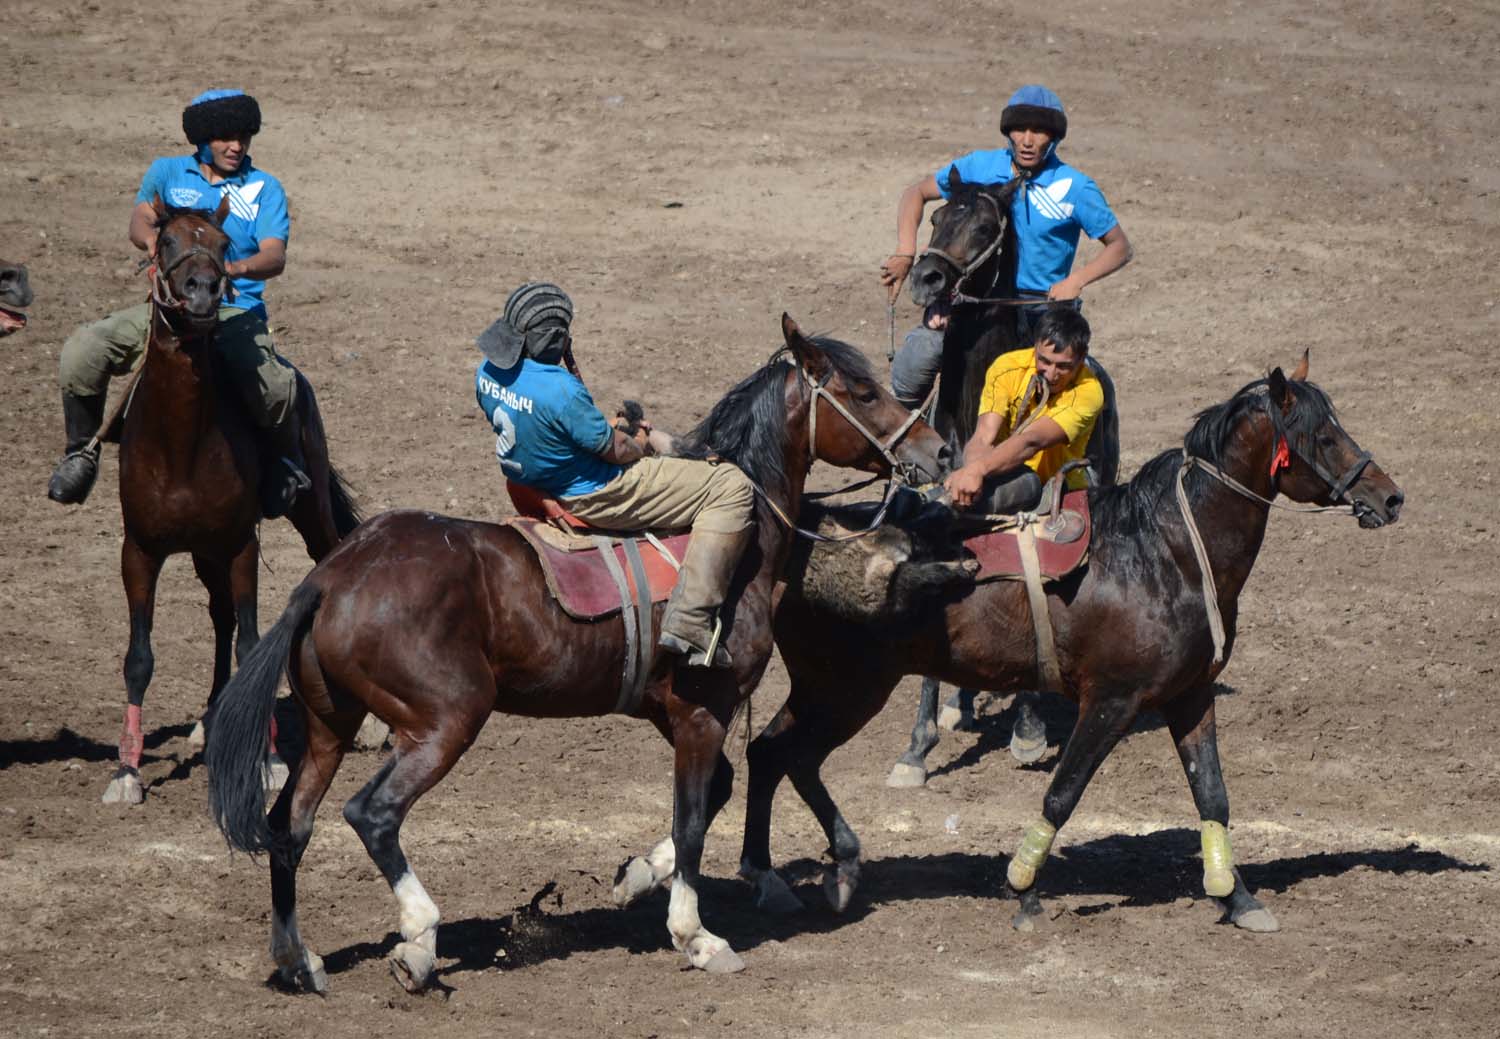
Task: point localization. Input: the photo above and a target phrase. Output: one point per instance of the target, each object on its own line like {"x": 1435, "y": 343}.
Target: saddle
{"x": 592, "y": 573}
{"x": 1061, "y": 538}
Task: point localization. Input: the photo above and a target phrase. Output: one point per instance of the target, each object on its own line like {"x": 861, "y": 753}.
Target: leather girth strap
{"x": 1041, "y": 618}
{"x": 638, "y": 630}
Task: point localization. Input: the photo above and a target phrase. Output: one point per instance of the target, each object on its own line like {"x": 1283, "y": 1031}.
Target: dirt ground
{"x": 1290, "y": 176}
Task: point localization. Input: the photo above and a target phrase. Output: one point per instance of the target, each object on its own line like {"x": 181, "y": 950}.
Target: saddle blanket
{"x": 999, "y": 554}
{"x": 579, "y": 578}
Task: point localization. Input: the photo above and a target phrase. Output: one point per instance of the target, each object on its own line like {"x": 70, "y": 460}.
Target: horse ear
{"x": 222, "y": 212}
{"x": 955, "y": 178}
{"x": 1280, "y": 392}
{"x": 1300, "y": 374}
{"x": 159, "y": 206}
{"x": 804, "y": 349}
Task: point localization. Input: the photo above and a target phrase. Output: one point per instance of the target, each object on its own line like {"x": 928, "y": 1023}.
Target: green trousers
{"x": 267, "y": 383}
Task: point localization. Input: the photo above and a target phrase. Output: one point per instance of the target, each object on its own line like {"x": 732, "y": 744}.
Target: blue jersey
{"x": 548, "y": 430}
{"x": 1048, "y": 211}
{"x": 257, "y": 211}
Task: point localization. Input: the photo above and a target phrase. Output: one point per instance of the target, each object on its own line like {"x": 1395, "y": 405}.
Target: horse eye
{"x": 1325, "y": 441}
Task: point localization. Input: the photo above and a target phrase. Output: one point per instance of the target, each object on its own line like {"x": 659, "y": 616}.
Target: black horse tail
{"x": 346, "y": 515}
{"x": 239, "y": 730}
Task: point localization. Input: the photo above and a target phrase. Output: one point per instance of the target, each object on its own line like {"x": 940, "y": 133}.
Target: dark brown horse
{"x": 15, "y": 297}
{"x": 433, "y": 624}
{"x": 970, "y": 266}
{"x": 189, "y": 470}
{"x": 1132, "y": 631}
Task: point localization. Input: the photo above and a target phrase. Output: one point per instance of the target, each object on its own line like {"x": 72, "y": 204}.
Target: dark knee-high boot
{"x": 75, "y": 474}
{"x": 284, "y": 475}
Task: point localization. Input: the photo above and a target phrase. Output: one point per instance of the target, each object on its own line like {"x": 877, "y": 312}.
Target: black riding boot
{"x": 75, "y": 474}
{"x": 284, "y": 472}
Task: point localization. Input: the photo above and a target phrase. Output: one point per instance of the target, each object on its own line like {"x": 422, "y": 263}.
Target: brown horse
{"x": 15, "y": 297}
{"x": 189, "y": 469}
{"x": 434, "y": 623}
{"x": 1132, "y": 631}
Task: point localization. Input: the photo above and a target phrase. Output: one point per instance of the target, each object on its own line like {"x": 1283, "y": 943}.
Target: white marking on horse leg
{"x": 645, "y": 873}
{"x": 704, "y": 950}
{"x": 196, "y": 738}
{"x": 295, "y": 962}
{"x": 413, "y": 960}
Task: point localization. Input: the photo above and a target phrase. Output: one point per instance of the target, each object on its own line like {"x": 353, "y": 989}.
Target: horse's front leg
{"x": 1191, "y": 720}
{"x": 1102, "y": 720}
{"x": 139, "y": 571}
{"x": 698, "y": 739}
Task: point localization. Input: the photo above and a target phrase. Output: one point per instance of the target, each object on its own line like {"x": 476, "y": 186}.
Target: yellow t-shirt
{"x": 1074, "y": 409}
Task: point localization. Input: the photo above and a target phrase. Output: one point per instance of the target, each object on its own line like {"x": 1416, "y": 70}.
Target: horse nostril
{"x": 932, "y": 276}
{"x": 1394, "y": 502}
{"x": 945, "y": 457}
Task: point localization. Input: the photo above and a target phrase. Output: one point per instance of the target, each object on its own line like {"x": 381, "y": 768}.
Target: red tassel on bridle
{"x": 1281, "y": 458}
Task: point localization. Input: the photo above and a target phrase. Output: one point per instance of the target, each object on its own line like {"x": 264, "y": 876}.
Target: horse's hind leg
{"x": 957, "y": 712}
{"x": 215, "y": 578}
{"x": 291, "y": 823}
{"x": 1028, "y": 736}
{"x": 419, "y": 761}
{"x": 911, "y": 769}
{"x": 139, "y": 572}
{"x": 1191, "y": 720}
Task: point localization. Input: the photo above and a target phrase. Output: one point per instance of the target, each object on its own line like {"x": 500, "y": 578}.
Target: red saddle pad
{"x": 999, "y": 554}
{"x": 579, "y": 579}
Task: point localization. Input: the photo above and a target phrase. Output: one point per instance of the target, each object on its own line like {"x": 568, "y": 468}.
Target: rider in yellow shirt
{"x": 1036, "y": 413}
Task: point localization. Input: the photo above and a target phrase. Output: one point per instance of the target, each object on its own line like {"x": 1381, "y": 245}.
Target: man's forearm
{"x": 267, "y": 263}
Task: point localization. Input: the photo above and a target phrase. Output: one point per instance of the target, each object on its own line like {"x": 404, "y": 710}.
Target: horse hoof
{"x": 1027, "y": 749}
{"x": 311, "y": 976}
{"x": 125, "y": 788}
{"x": 196, "y": 738}
{"x": 725, "y": 961}
{"x": 276, "y": 774}
{"x": 773, "y": 896}
{"x": 839, "y": 884}
{"x": 635, "y": 880}
{"x": 951, "y": 719}
{"x": 1259, "y": 920}
{"x": 411, "y": 965}
{"x": 1023, "y": 921}
{"x": 372, "y": 735}
{"x": 904, "y": 775}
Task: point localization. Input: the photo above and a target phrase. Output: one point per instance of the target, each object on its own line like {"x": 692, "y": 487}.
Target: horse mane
{"x": 171, "y": 212}
{"x": 1134, "y": 507}
{"x": 748, "y": 426}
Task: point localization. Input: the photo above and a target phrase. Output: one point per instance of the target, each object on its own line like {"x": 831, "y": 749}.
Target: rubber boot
{"x": 75, "y": 474}
{"x": 284, "y": 474}
{"x": 692, "y": 625}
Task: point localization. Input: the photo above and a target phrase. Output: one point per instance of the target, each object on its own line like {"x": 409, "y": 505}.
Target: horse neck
{"x": 1232, "y": 525}
{"x": 175, "y": 398}
{"x": 976, "y": 335}
{"x": 774, "y": 537}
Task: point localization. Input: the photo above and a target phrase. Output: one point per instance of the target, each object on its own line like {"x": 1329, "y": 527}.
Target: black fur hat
{"x": 1035, "y": 106}
{"x": 220, "y": 115}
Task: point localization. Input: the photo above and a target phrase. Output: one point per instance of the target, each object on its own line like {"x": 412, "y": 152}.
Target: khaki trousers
{"x": 267, "y": 383}
{"x": 670, "y": 493}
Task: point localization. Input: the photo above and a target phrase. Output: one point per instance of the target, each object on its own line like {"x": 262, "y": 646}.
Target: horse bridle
{"x": 1339, "y": 488}
{"x": 965, "y": 270}
{"x": 161, "y": 284}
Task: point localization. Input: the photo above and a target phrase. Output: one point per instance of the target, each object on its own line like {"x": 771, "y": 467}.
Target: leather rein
{"x": 1338, "y": 488}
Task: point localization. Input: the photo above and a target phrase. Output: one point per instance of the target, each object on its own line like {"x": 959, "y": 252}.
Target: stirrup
{"x": 715, "y": 656}
{"x": 281, "y": 487}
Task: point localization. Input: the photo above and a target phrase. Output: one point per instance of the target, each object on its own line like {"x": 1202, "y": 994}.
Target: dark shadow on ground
{"x": 67, "y": 745}
{"x": 1120, "y": 871}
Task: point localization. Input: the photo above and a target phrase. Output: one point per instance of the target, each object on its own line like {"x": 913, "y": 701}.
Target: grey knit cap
{"x": 535, "y": 323}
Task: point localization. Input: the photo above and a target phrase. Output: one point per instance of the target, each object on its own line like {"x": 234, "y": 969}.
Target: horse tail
{"x": 346, "y": 515}
{"x": 239, "y": 729}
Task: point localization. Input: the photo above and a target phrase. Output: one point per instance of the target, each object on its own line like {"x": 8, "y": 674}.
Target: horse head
{"x": 854, "y": 422}
{"x": 1316, "y": 461}
{"x": 189, "y": 278}
{"x": 967, "y": 233}
{"x": 15, "y": 296}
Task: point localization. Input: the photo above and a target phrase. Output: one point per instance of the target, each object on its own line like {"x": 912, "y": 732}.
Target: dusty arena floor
{"x": 1291, "y": 176}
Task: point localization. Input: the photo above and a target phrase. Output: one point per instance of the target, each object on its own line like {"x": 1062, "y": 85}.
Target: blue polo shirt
{"x": 548, "y": 430}
{"x": 1047, "y": 212}
{"x": 257, "y": 211}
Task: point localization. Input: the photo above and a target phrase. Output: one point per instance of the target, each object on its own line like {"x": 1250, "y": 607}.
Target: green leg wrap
{"x": 1218, "y": 860}
{"x": 1029, "y": 857}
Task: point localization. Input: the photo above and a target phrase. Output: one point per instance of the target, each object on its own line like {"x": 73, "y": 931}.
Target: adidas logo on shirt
{"x": 242, "y": 200}
{"x": 1049, "y": 200}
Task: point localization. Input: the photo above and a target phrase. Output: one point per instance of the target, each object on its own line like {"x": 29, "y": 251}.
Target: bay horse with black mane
{"x": 189, "y": 469}
{"x": 433, "y": 624}
{"x": 970, "y": 265}
{"x": 1133, "y": 629}
{"x": 15, "y": 297}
